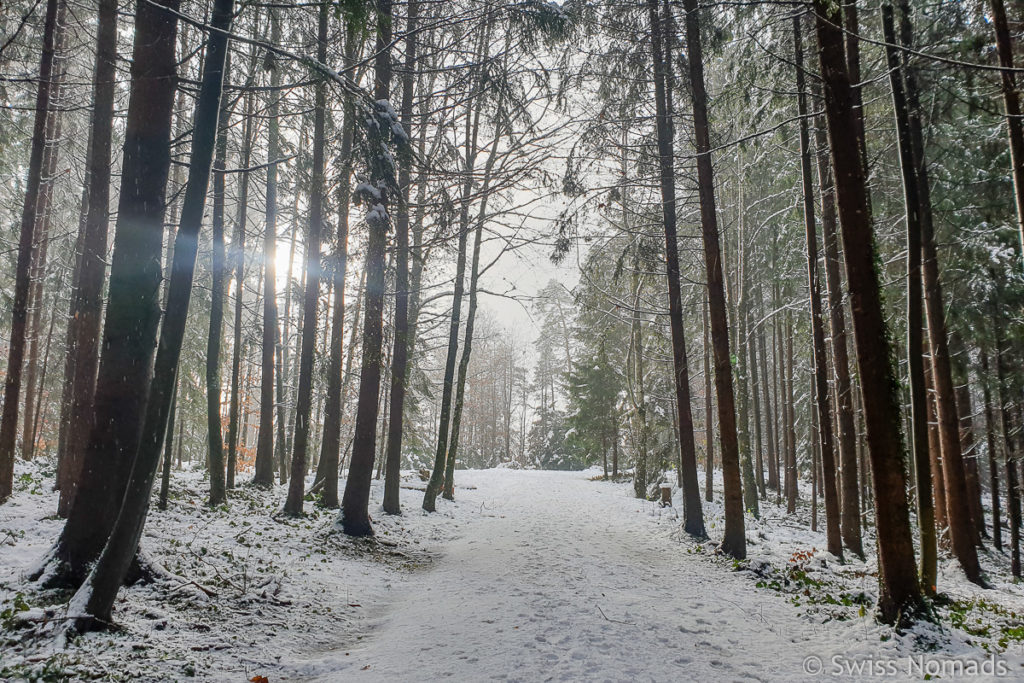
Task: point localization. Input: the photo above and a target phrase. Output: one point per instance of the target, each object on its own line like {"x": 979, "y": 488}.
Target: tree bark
{"x": 899, "y": 590}
{"x": 215, "y": 440}
{"x": 962, "y": 532}
{"x": 238, "y": 268}
{"x": 990, "y": 443}
{"x": 734, "y": 540}
{"x": 662, "y": 37}
{"x": 92, "y": 604}
{"x": 792, "y": 487}
{"x": 355, "y": 516}
{"x": 1013, "y": 502}
{"x": 401, "y": 349}
{"x": 1011, "y": 102}
{"x": 824, "y": 411}
{"x": 846, "y": 432}
{"x": 264, "y": 475}
{"x": 311, "y": 293}
{"x": 750, "y": 502}
{"x": 87, "y": 306}
{"x": 330, "y": 447}
{"x": 165, "y": 475}
{"x": 22, "y": 281}
{"x": 41, "y": 232}
{"x": 133, "y": 307}
{"x": 918, "y": 390}
{"x": 968, "y": 446}
{"x": 709, "y": 406}
{"x": 436, "y": 481}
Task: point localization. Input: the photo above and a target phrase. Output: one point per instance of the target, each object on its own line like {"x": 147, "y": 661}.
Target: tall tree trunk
{"x": 899, "y": 590}
{"x": 734, "y": 540}
{"x": 215, "y": 440}
{"x": 938, "y": 479}
{"x": 401, "y": 349}
{"x": 662, "y": 37}
{"x": 792, "y": 487}
{"x": 355, "y": 517}
{"x": 769, "y": 415}
{"x": 709, "y": 419}
{"x": 41, "y": 232}
{"x": 311, "y": 294}
{"x": 330, "y": 447}
{"x": 95, "y": 598}
{"x": 639, "y": 395}
{"x": 264, "y": 475}
{"x": 962, "y": 532}
{"x": 436, "y": 481}
{"x": 238, "y": 270}
{"x": 22, "y": 281}
{"x": 750, "y": 502}
{"x": 990, "y": 444}
{"x": 968, "y": 447}
{"x": 87, "y": 306}
{"x": 1011, "y": 102}
{"x": 755, "y": 386}
{"x": 846, "y": 432}
{"x": 133, "y": 310}
{"x": 918, "y": 390}
{"x": 1013, "y": 502}
{"x": 165, "y": 475}
{"x": 448, "y": 490}
{"x": 824, "y": 411}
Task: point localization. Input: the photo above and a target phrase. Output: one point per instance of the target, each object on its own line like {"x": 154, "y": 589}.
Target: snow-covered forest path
{"x": 561, "y": 578}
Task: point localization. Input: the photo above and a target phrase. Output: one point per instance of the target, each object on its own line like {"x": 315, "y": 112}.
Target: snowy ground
{"x": 528, "y": 576}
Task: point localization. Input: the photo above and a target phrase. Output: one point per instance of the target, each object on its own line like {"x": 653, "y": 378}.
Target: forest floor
{"x": 527, "y": 576}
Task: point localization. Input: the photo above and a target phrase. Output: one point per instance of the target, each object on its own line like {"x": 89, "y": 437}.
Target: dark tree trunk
{"x": 87, "y": 306}
{"x": 165, "y": 475}
{"x": 769, "y": 415}
{"x": 918, "y": 391}
{"x": 133, "y": 306}
{"x": 22, "y": 282}
{"x": 401, "y": 348}
{"x": 662, "y": 36}
{"x": 436, "y": 482}
{"x": 709, "y": 407}
{"x": 899, "y": 590}
{"x": 42, "y": 238}
{"x": 311, "y": 294}
{"x": 355, "y": 516}
{"x": 962, "y": 532}
{"x": 990, "y": 444}
{"x": 824, "y": 411}
{"x": 846, "y": 432}
{"x": 448, "y": 490}
{"x": 95, "y": 599}
{"x": 734, "y": 540}
{"x": 238, "y": 269}
{"x": 968, "y": 446}
{"x": 792, "y": 488}
{"x": 1011, "y": 102}
{"x": 264, "y": 475}
{"x": 215, "y": 441}
{"x": 330, "y": 447}
{"x": 1013, "y": 503}
{"x": 755, "y": 396}
{"x": 750, "y": 501}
